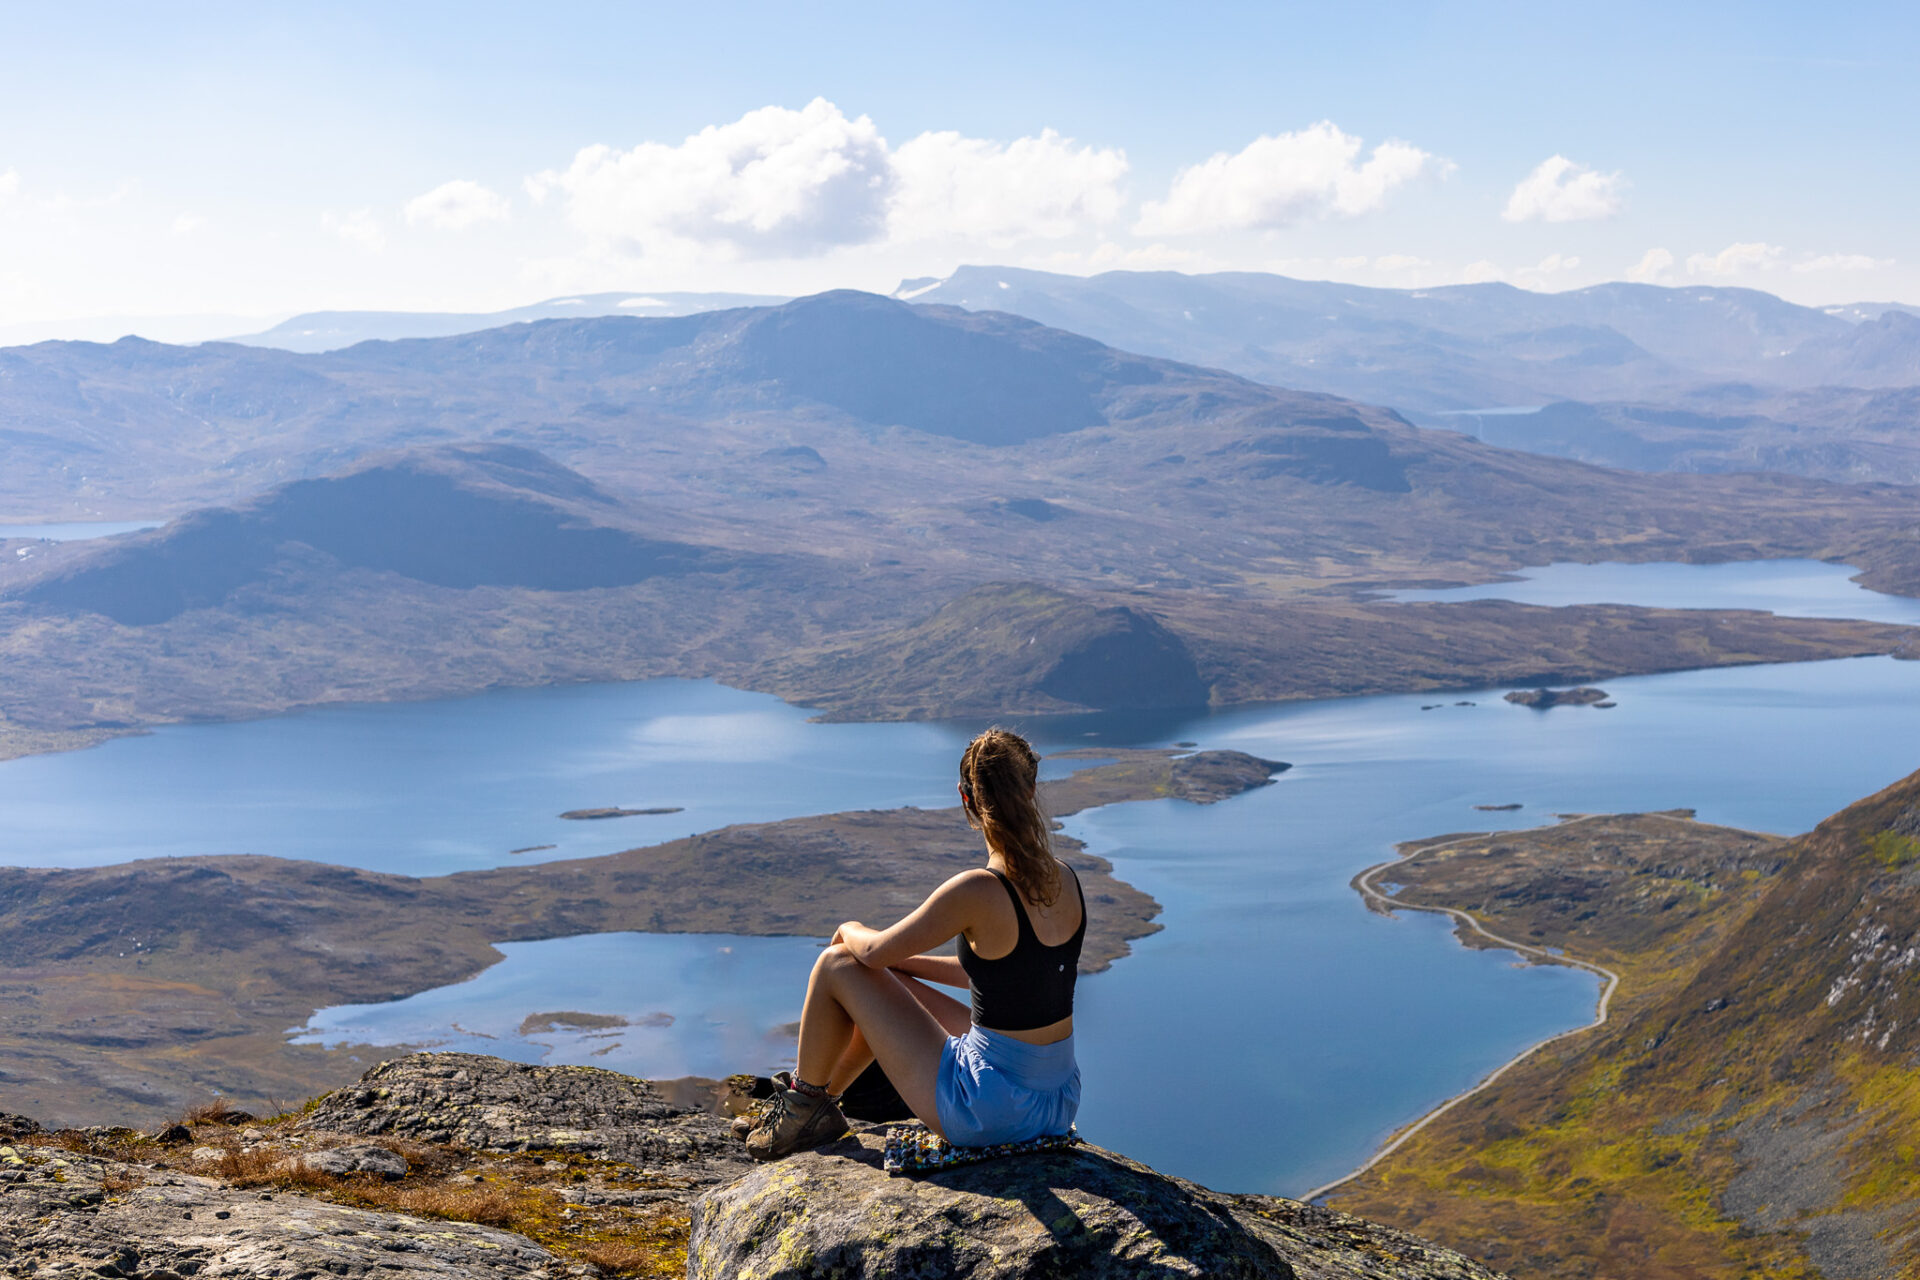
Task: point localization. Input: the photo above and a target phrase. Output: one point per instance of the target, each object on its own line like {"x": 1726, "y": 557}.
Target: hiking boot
{"x": 795, "y": 1122}
{"x": 743, "y": 1123}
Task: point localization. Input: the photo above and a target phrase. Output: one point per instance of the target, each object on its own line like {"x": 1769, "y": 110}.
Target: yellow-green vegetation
{"x": 1892, "y": 849}
{"x": 521, "y": 1192}
{"x": 1750, "y": 1108}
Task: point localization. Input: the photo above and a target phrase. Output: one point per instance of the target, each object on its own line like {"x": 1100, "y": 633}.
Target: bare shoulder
{"x": 970, "y": 884}
{"x": 965, "y": 896}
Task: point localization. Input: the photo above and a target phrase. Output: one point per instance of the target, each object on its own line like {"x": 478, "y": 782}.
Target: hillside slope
{"x": 1755, "y": 1108}
{"x": 1831, "y": 433}
{"x": 774, "y": 491}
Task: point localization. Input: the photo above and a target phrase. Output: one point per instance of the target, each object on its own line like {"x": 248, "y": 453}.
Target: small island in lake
{"x": 1541, "y": 699}
{"x": 590, "y": 815}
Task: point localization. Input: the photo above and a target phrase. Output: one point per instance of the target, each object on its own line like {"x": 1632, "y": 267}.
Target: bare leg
{"x": 844, "y": 997}
{"x": 953, "y": 1016}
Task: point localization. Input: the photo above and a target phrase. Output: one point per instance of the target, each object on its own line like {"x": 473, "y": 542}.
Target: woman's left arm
{"x": 947, "y": 911}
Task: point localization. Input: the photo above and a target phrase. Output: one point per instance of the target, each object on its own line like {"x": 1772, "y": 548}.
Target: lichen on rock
{"x": 1090, "y": 1214}
{"x": 97, "y": 1218}
{"x": 490, "y": 1104}
{"x": 457, "y": 1165}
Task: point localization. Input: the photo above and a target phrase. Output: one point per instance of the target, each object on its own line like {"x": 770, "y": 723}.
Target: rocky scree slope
{"x": 457, "y": 1165}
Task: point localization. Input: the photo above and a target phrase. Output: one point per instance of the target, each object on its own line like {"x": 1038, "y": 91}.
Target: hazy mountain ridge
{"x": 1637, "y": 354}
{"x": 143, "y": 427}
{"x": 1452, "y": 347}
{"x": 316, "y": 331}
{"x": 1847, "y": 434}
{"x": 754, "y": 505}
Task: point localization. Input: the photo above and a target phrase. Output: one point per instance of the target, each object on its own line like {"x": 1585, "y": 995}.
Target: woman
{"x": 1003, "y": 1071}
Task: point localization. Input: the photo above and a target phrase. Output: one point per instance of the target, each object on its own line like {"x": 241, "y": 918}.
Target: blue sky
{"x": 262, "y": 159}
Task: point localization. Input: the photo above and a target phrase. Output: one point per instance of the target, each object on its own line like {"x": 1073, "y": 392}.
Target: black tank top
{"x": 1030, "y": 986}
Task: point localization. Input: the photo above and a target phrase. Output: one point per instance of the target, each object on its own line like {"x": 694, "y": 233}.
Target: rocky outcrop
{"x": 359, "y": 1157}
{"x": 67, "y": 1214}
{"x": 1541, "y": 699}
{"x": 457, "y": 1165}
{"x": 1085, "y": 1213}
{"x": 489, "y": 1104}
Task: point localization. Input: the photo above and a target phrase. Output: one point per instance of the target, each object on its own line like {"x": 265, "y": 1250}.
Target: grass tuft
{"x": 214, "y": 1111}
{"x": 1893, "y": 850}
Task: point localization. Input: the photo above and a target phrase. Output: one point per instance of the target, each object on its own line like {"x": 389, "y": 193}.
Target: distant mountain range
{"x": 314, "y": 331}
{"x": 784, "y": 496}
{"x": 1458, "y": 347}
{"x": 1641, "y": 376}
{"x": 1688, "y": 379}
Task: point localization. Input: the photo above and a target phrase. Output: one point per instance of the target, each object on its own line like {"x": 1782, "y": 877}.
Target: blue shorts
{"x": 993, "y": 1088}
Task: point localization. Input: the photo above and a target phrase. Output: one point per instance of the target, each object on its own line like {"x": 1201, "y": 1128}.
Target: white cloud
{"x": 1396, "y": 262}
{"x": 358, "y": 227}
{"x": 1481, "y": 272}
{"x": 1284, "y": 178}
{"x": 1745, "y": 256}
{"x": 1842, "y": 262}
{"x": 782, "y": 183}
{"x": 455, "y": 206}
{"x": 1558, "y": 190}
{"x": 773, "y": 183}
{"x": 1653, "y": 265}
{"x": 186, "y": 224}
{"x": 9, "y": 184}
{"x": 1032, "y": 188}
{"x": 1351, "y": 263}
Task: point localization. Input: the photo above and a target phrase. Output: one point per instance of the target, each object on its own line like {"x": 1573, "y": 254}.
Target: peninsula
{"x": 1741, "y": 1101}
{"x": 234, "y": 951}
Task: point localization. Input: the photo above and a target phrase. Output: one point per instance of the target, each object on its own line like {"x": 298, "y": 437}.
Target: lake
{"x": 1790, "y": 588}
{"x": 1267, "y": 1040}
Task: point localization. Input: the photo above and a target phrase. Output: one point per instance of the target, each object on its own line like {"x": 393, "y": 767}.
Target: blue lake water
{"x": 425, "y": 788}
{"x": 704, "y": 1004}
{"x": 1790, "y": 588}
{"x": 1266, "y": 1040}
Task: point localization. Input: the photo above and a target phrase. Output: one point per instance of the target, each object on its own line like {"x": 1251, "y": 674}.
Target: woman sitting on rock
{"x": 1004, "y": 1072}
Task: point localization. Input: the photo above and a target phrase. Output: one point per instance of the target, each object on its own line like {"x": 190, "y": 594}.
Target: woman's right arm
{"x": 948, "y": 910}
{"x": 944, "y": 970}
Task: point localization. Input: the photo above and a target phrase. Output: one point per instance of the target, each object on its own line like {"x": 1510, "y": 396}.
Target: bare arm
{"x": 944, "y": 970}
{"x": 949, "y": 910}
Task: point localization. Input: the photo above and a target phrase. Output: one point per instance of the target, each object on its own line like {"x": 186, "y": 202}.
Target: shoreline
{"x": 1384, "y": 904}
{"x": 90, "y": 1022}
{"x": 1779, "y": 641}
